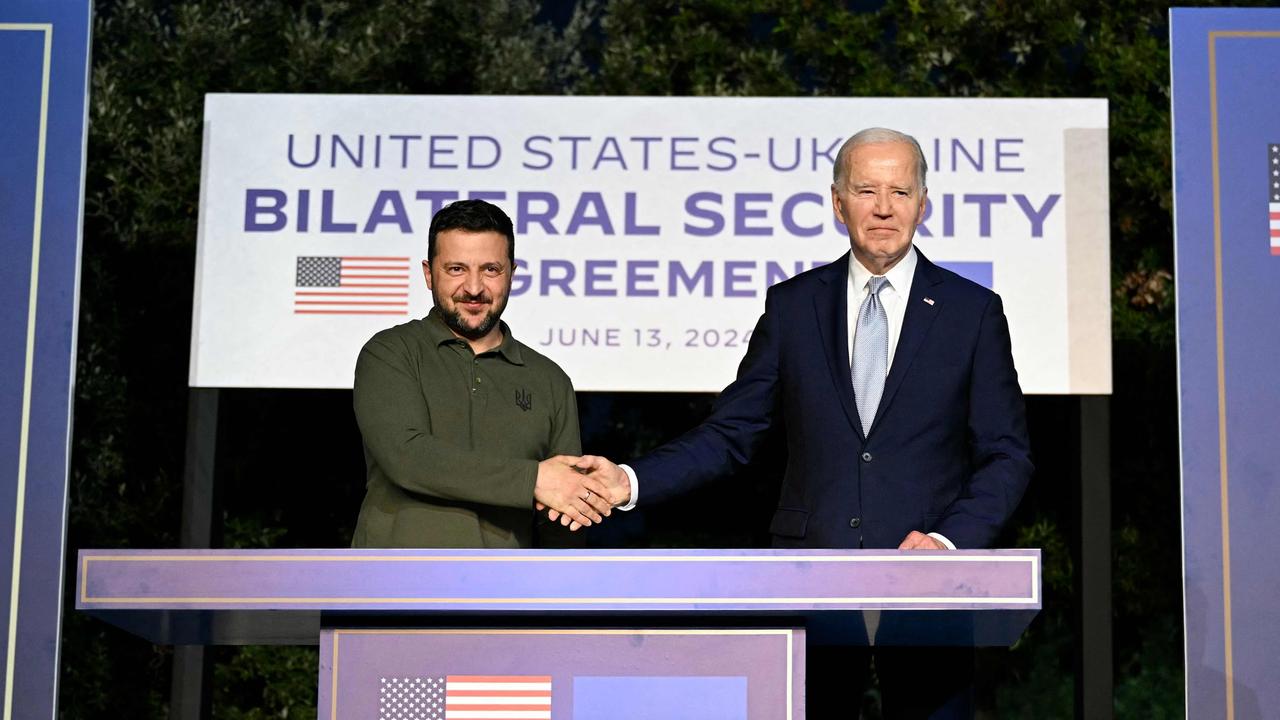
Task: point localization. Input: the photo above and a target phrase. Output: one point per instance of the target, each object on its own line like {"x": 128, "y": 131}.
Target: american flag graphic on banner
{"x": 351, "y": 285}
{"x": 466, "y": 697}
{"x": 1273, "y": 196}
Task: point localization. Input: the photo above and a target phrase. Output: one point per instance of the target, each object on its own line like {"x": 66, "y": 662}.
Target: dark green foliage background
{"x": 153, "y": 61}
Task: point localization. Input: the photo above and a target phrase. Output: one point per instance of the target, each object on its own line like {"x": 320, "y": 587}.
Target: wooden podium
{"x": 574, "y": 635}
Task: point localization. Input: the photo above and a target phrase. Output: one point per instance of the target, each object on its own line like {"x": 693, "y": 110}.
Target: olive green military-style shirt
{"x": 452, "y": 439}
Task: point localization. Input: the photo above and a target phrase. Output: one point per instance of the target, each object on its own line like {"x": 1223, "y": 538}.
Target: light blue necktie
{"x": 870, "y": 353}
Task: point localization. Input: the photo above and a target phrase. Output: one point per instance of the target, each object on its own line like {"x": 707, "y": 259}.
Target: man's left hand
{"x": 917, "y": 540}
{"x": 604, "y": 470}
{"x": 578, "y": 498}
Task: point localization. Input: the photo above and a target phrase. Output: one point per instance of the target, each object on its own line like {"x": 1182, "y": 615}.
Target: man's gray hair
{"x": 875, "y": 136}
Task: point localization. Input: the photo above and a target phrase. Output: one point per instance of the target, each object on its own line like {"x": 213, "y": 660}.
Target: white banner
{"x": 647, "y": 229}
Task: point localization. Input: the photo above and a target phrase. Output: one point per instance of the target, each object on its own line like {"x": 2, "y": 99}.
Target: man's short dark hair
{"x": 472, "y": 216}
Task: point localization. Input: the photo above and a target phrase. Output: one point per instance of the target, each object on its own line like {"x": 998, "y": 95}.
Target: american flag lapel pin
{"x": 929, "y": 300}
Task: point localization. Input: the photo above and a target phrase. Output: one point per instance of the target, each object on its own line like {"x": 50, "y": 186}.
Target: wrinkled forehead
{"x": 875, "y": 163}
{"x": 471, "y": 248}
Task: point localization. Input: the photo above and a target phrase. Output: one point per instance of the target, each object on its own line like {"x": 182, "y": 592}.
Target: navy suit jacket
{"x": 947, "y": 453}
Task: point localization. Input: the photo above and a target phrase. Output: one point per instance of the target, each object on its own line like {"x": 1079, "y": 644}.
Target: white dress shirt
{"x": 893, "y": 297}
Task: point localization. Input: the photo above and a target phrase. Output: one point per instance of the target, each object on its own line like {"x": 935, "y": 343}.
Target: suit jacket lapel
{"x": 918, "y": 319}
{"x": 831, "y": 307}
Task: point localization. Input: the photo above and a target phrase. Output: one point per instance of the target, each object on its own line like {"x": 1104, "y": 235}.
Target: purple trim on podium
{"x": 984, "y": 597}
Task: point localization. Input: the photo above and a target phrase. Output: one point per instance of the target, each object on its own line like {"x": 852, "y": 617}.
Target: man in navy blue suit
{"x": 893, "y": 382}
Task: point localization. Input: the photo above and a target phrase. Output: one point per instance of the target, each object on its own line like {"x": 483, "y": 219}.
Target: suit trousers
{"x": 914, "y": 683}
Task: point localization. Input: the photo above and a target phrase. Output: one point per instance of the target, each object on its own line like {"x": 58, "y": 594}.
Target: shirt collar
{"x": 899, "y": 275}
{"x": 439, "y": 333}
{"x": 510, "y": 349}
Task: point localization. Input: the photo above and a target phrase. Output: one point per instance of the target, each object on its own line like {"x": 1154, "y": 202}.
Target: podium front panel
{"x": 566, "y": 673}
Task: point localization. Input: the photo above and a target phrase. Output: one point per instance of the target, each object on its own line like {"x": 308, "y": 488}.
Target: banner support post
{"x": 189, "y": 695}
{"x": 1094, "y": 682}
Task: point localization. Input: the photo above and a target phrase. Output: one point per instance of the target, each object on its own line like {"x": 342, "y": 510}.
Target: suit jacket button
{"x": 866, "y": 457}
{"x": 855, "y": 522}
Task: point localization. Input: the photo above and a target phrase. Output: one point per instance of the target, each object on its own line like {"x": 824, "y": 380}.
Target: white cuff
{"x": 635, "y": 489}
{"x": 943, "y": 539}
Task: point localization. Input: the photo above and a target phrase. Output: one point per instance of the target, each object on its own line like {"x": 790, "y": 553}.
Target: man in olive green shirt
{"x": 456, "y": 413}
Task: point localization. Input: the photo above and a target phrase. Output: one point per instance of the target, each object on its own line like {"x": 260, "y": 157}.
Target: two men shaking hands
{"x": 891, "y": 378}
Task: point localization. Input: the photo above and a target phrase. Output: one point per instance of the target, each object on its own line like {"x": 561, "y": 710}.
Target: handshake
{"x": 580, "y": 491}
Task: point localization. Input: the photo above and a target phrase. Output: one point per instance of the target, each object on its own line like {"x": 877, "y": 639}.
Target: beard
{"x": 454, "y": 319}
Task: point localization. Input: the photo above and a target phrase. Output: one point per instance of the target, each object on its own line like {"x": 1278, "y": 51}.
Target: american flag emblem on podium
{"x": 1273, "y": 196}
{"x": 351, "y": 285}
{"x": 466, "y": 697}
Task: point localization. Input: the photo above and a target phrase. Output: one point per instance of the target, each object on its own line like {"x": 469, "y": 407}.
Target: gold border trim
{"x": 1225, "y": 516}
{"x": 33, "y": 296}
{"x": 333, "y": 691}
{"x": 563, "y": 600}
{"x": 791, "y": 652}
{"x": 562, "y": 631}
{"x": 906, "y": 556}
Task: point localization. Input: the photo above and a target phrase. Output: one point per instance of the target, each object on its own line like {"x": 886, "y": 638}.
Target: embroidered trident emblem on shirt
{"x": 524, "y": 400}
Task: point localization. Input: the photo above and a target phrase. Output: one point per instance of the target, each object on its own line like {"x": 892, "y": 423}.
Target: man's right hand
{"x": 578, "y": 498}
{"x": 614, "y": 477}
